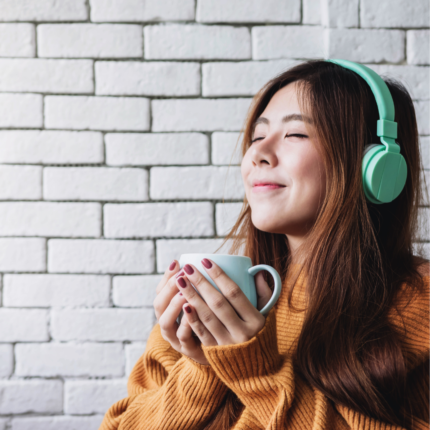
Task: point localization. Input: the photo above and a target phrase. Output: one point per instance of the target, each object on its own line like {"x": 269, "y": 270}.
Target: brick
{"x": 421, "y": 249}
{"x": 422, "y": 113}
{"x": 192, "y": 183}
{"x": 143, "y": 149}
{"x": 22, "y": 255}
{"x": 43, "y": 10}
{"x": 46, "y": 76}
{"x": 136, "y": 10}
{"x": 394, "y": 13}
{"x": 23, "y": 325}
{"x": 418, "y": 46}
{"x": 17, "y": 40}
{"x": 31, "y": 396}
{"x": 100, "y": 256}
{"x": 240, "y": 79}
{"x": 263, "y": 11}
{"x": 199, "y": 114}
{"x": 157, "y": 219}
{"x": 226, "y": 216}
{"x": 20, "y": 182}
{"x": 416, "y": 79}
{"x": 133, "y": 351}
{"x": 50, "y": 219}
{"x": 90, "y": 183}
{"x": 97, "y": 113}
{"x": 312, "y": 12}
{"x": 425, "y": 151}
{"x": 6, "y": 361}
{"x": 134, "y": 291}
{"x": 101, "y": 324}
{"x": 423, "y": 224}
{"x": 89, "y": 40}
{"x": 92, "y": 397}
{"x": 69, "y": 359}
{"x": 169, "y": 249}
{"x": 226, "y": 148}
{"x": 61, "y": 422}
{"x": 51, "y": 147}
{"x": 340, "y": 14}
{"x": 360, "y": 45}
{"x": 43, "y": 291}
{"x": 278, "y": 41}
{"x": 154, "y": 78}
{"x": 21, "y": 110}
{"x": 196, "y": 42}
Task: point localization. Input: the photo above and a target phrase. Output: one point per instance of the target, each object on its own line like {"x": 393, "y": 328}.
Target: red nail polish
{"x": 187, "y": 309}
{"x": 172, "y": 265}
{"x": 181, "y": 282}
{"x": 180, "y": 294}
{"x": 206, "y": 263}
{"x": 180, "y": 273}
{"x": 188, "y": 269}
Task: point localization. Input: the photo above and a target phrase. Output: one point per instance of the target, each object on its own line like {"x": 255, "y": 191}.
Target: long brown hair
{"x": 347, "y": 348}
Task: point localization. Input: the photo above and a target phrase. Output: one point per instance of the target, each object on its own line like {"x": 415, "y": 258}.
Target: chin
{"x": 265, "y": 223}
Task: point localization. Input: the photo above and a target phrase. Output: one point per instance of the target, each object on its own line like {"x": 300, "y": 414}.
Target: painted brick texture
{"x": 119, "y": 121}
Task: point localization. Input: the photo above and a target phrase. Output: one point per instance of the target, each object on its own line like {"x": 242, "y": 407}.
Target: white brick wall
{"x": 118, "y": 121}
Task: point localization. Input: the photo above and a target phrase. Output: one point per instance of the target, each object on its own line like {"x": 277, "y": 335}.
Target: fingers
{"x": 191, "y": 323}
{"x": 163, "y": 298}
{"x": 204, "y": 313}
{"x": 264, "y": 293}
{"x": 230, "y": 293}
{"x": 171, "y": 270}
{"x": 167, "y": 320}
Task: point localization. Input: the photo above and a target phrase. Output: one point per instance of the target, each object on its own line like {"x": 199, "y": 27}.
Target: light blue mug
{"x": 240, "y": 270}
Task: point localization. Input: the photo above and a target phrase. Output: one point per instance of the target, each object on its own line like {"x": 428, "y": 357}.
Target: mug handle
{"x": 277, "y": 289}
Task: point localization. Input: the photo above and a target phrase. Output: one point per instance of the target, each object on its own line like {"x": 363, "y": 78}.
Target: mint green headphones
{"x": 383, "y": 168}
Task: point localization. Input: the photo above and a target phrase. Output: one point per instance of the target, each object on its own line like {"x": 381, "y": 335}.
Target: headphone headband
{"x": 386, "y": 126}
{"x": 384, "y": 169}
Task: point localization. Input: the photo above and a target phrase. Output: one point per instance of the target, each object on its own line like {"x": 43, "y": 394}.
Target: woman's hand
{"x": 167, "y": 307}
{"x": 221, "y": 319}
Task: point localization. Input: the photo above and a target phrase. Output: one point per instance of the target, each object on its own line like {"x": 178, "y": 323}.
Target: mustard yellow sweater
{"x": 168, "y": 390}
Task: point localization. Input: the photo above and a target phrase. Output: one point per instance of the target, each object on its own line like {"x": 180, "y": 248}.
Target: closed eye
{"x": 300, "y": 136}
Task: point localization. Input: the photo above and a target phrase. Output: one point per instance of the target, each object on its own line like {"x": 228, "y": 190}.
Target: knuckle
{"x": 218, "y": 303}
{"x": 217, "y": 273}
{"x": 233, "y": 293}
{"x": 206, "y": 318}
{"x": 199, "y": 331}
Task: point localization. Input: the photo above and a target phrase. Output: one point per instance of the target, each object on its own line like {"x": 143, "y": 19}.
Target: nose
{"x": 264, "y": 151}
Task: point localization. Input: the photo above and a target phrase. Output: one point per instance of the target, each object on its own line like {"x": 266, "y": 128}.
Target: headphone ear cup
{"x": 383, "y": 174}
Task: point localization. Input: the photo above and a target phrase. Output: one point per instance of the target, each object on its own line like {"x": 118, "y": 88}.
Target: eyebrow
{"x": 287, "y": 118}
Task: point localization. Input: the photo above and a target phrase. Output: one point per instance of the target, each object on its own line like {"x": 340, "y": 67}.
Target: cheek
{"x": 308, "y": 174}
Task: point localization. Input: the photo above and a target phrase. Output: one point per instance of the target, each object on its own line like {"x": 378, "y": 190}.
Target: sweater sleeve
{"x": 166, "y": 390}
{"x": 258, "y": 374}
{"x": 265, "y": 382}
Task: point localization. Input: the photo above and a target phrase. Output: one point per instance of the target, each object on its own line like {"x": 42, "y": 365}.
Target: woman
{"x": 346, "y": 345}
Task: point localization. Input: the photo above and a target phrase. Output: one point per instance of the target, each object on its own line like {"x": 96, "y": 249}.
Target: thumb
{"x": 264, "y": 293}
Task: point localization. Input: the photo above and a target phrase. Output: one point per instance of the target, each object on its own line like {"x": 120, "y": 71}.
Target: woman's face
{"x": 277, "y": 155}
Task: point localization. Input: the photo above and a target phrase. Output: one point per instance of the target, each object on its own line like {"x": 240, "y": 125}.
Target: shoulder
{"x": 410, "y": 317}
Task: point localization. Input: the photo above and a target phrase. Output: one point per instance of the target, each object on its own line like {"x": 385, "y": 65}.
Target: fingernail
{"x": 188, "y": 269}
{"x": 181, "y": 272}
{"x": 187, "y": 309}
{"x": 180, "y": 294}
{"x": 172, "y": 265}
{"x": 206, "y": 263}
{"x": 182, "y": 283}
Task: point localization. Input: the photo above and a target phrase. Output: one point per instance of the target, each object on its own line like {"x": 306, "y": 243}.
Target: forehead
{"x": 284, "y": 107}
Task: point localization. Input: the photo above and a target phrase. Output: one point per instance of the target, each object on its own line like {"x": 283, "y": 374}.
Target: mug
{"x": 240, "y": 270}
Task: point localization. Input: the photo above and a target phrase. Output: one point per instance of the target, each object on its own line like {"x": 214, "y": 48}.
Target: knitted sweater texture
{"x": 168, "y": 390}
